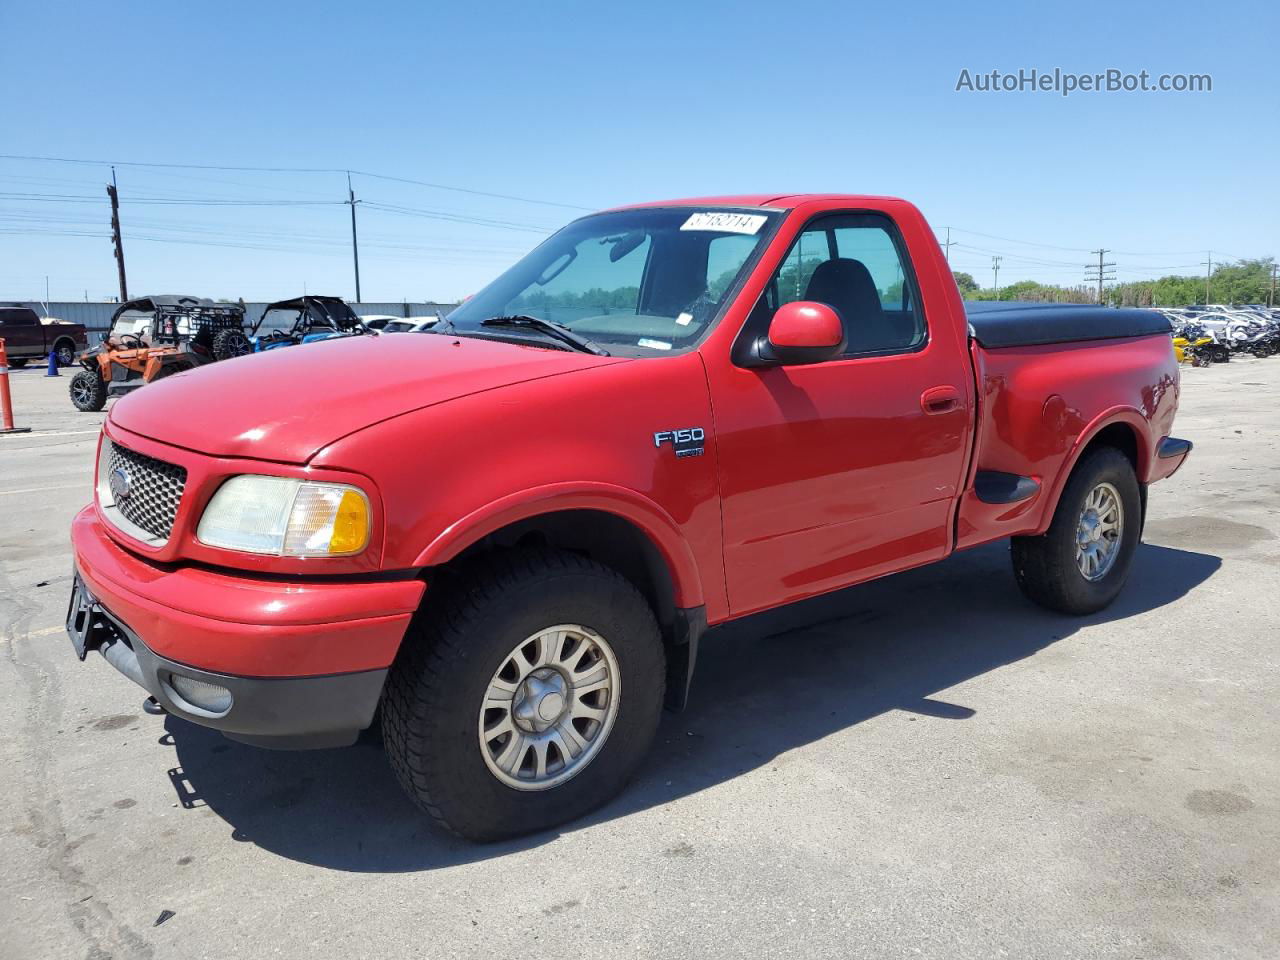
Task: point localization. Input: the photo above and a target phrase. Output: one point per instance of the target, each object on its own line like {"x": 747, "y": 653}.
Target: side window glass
{"x": 792, "y": 280}
{"x": 852, "y": 264}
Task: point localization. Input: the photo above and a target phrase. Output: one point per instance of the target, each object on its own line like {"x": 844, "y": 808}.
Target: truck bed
{"x": 997, "y": 325}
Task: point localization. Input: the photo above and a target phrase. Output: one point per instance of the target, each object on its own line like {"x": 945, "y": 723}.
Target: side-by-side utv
{"x": 288, "y": 323}
{"x": 154, "y": 337}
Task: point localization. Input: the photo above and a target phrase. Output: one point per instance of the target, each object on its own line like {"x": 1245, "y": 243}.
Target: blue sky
{"x": 592, "y": 105}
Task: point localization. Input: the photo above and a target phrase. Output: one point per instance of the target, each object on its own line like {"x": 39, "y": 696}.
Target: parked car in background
{"x": 508, "y": 541}
{"x": 410, "y": 325}
{"x": 27, "y": 336}
{"x": 376, "y": 321}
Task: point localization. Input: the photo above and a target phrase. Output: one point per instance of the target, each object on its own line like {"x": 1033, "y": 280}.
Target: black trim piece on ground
{"x": 992, "y": 486}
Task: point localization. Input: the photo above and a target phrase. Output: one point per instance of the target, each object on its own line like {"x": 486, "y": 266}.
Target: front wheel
{"x": 1080, "y": 564}
{"x": 526, "y": 696}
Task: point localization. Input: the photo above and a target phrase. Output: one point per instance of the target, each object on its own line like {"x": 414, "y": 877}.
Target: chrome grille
{"x": 154, "y": 489}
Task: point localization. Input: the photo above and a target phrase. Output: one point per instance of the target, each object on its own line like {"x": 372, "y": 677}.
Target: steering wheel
{"x": 137, "y": 345}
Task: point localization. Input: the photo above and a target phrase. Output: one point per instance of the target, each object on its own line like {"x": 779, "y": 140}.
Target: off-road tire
{"x": 1045, "y": 566}
{"x": 468, "y": 627}
{"x": 231, "y": 343}
{"x": 17, "y": 362}
{"x": 88, "y": 391}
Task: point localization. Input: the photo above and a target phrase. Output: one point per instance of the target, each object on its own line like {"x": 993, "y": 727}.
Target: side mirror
{"x": 802, "y": 332}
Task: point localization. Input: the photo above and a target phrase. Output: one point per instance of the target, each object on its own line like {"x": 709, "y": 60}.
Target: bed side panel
{"x": 1040, "y": 405}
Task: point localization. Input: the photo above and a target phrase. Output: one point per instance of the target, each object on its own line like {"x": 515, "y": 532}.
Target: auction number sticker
{"x": 748, "y": 223}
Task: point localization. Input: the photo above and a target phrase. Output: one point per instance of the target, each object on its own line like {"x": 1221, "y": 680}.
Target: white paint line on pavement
{"x": 61, "y": 433}
{"x": 65, "y": 486}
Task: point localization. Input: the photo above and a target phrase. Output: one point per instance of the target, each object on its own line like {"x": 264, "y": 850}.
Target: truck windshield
{"x": 637, "y": 282}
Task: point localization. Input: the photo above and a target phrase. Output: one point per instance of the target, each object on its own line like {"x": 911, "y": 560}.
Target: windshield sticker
{"x": 684, "y": 319}
{"x": 653, "y": 344}
{"x": 748, "y": 223}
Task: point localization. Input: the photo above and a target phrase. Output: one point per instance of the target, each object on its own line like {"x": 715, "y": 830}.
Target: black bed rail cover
{"x": 1014, "y": 324}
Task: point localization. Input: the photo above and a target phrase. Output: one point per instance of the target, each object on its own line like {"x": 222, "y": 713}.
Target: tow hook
{"x": 153, "y": 706}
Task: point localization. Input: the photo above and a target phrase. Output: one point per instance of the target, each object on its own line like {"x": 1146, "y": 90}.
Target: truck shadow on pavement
{"x": 764, "y": 686}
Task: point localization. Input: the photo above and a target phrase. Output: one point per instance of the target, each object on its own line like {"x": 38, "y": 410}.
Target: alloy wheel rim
{"x": 549, "y": 707}
{"x": 1099, "y": 532}
{"x": 82, "y": 392}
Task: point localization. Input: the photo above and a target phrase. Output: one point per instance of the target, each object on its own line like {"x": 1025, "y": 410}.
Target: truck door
{"x": 837, "y": 472}
{"x": 21, "y": 331}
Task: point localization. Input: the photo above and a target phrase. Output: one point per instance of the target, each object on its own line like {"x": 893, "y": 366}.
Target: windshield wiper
{"x": 556, "y": 330}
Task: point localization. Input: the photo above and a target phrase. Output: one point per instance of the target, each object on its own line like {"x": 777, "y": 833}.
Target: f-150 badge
{"x": 686, "y": 442}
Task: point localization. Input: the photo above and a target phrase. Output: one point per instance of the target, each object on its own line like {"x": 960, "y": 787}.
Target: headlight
{"x": 288, "y": 518}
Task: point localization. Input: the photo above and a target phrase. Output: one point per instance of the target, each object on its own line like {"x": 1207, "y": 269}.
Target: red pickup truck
{"x": 506, "y": 536}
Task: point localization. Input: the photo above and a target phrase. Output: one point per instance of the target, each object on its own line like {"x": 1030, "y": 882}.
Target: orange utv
{"x": 154, "y": 337}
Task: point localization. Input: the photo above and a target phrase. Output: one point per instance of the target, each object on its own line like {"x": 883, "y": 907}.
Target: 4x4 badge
{"x": 687, "y": 442}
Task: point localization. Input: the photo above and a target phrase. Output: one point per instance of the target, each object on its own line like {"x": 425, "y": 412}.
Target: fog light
{"x": 198, "y": 693}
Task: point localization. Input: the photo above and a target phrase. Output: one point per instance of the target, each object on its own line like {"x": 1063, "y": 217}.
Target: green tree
{"x": 966, "y": 283}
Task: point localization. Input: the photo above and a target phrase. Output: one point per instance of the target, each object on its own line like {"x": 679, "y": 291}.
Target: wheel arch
{"x": 618, "y": 528}
{"x": 1121, "y": 428}
{"x": 565, "y": 510}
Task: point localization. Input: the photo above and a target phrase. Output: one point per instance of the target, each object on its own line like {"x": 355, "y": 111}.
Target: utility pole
{"x": 948, "y": 245}
{"x": 1271, "y": 297}
{"x": 114, "y": 194}
{"x": 1208, "y": 273}
{"x": 995, "y": 274}
{"x": 1098, "y": 271}
{"x": 355, "y": 247}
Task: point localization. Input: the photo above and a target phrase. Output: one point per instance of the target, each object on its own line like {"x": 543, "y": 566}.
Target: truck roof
{"x": 781, "y": 201}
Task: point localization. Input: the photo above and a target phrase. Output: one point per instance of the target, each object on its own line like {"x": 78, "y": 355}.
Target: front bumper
{"x": 302, "y": 662}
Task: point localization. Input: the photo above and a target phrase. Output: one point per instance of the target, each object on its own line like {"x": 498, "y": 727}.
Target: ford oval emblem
{"x": 121, "y": 485}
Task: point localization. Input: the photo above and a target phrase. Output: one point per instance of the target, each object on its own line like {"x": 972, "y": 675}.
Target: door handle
{"x": 942, "y": 399}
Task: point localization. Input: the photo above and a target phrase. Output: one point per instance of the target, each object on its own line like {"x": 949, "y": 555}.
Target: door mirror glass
{"x": 803, "y": 332}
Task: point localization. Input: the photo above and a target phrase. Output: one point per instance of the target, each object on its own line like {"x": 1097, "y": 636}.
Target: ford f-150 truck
{"x": 504, "y": 538}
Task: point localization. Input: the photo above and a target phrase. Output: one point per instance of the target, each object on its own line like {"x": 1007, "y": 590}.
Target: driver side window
{"x": 854, "y": 265}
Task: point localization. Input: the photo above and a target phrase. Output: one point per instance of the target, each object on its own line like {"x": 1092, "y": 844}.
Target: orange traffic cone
{"x": 6, "y": 402}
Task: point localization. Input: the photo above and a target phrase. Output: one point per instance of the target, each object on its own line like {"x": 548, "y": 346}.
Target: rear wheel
{"x": 65, "y": 351}
{"x": 231, "y": 343}
{"x": 1080, "y": 564}
{"x": 527, "y": 696}
{"x": 88, "y": 391}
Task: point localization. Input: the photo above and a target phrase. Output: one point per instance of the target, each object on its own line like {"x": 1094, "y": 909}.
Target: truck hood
{"x": 286, "y": 405}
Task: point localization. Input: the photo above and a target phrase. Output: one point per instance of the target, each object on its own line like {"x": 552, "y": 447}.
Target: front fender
{"x": 648, "y": 516}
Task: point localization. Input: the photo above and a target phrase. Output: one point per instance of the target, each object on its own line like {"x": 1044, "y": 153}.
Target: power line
{"x": 331, "y": 170}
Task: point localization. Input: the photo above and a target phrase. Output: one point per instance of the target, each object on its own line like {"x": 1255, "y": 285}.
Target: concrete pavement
{"x": 923, "y": 766}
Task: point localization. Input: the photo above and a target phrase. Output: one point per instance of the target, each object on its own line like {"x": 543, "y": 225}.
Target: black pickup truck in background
{"x": 27, "y": 337}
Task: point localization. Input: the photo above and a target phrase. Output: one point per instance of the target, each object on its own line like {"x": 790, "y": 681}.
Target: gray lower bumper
{"x": 287, "y": 713}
